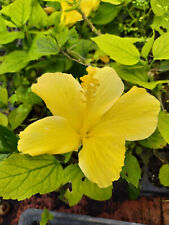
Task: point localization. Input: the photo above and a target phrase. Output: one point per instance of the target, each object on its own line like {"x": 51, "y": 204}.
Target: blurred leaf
{"x": 161, "y": 24}
{"x": 45, "y": 217}
{"x": 42, "y": 45}
{"x": 105, "y": 14}
{"x": 3, "y": 27}
{"x": 7, "y": 37}
{"x": 136, "y": 75}
{"x": 3, "y": 96}
{"x": 18, "y": 11}
{"x": 131, "y": 171}
{"x": 161, "y": 47}
{"x": 119, "y": 49}
{"x": 38, "y": 17}
{"x": 3, "y": 119}
{"x": 155, "y": 141}
{"x": 163, "y": 125}
{"x": 159, "y": 7}
{"x": 93, "y": 191}
{"x": 8, "y": 140}
{"x": 164, "y": 175}
{"x": 14, "y": 62}
{"x": 147, "y": 47}
{"x": 3, "y": 156}
{"x": 23, "y": 176}
{"x": 58, "y": 64}
{"x": 18, "y": 115}
{"x": 114, "y": 2}
{"x": 82, "y": 47}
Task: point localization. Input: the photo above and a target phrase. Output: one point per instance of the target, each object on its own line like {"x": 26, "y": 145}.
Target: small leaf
{"x": 8, "y": 140}
{"x": 3, "y": 119}
{"x": 42, "y": 45}
{"x": 3, "y": 96}
{"x": 159, "y": 7}
{"x": 163, "y": 125}
{"x": 131, "y": 171}
{"x": 18, "y": 11}
{"x": 164, "y": 175}
{"x": 105, "y": 14}
{"x": 161, "y": 47}
{"x": 7, "y": 37}
{"x": 22, "y": 176}
{"x": 119, "y": 49}
{"x": 38, "y": 17}
{"x": 73, "y": 176}
{"x": 93, "y": 191}
{"x": 155, "y": 141}
{"x": 14, "y": 62}
{"x": 45, "y": 217}
{"x": 161, "y": 24}
{"x": 147, "y": 47}
{"x": 17, "y": 116}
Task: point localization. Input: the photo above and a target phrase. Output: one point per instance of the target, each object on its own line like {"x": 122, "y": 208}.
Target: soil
{"x": 145, "y": 210}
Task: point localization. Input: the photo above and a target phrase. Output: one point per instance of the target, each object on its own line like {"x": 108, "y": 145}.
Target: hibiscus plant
{"x": 83, "y": 96}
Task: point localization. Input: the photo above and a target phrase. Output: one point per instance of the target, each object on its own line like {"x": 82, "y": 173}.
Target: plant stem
{"x": 73, "y": 59}
{"x": 92, "y": 27}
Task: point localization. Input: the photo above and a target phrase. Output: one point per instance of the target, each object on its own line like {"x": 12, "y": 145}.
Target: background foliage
{"x": 130, "y": 36}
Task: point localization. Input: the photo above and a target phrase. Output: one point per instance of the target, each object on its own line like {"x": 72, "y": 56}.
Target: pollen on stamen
{"x": 89, "y": 83}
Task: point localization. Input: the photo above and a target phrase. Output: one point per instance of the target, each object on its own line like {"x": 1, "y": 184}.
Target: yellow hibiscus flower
{"x": 71, "y": 17}
{"x": 92, "y": 115}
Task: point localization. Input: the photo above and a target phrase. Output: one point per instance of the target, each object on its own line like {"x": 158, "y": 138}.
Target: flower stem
{"x": 92, "y": 27}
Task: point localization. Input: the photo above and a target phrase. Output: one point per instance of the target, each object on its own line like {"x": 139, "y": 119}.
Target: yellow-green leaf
{"x": 161, "y": 47}
{"x": 119, "y": 49}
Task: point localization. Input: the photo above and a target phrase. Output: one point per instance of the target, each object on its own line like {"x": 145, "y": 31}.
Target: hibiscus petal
{"x": 102, "y": 158}
{"x": 63, "y": 95}
{"x": 134, "y": 115}
{"x": 51, "y": 135}
{"x": 71, "y": 17}
{"x": 108, "y": 91}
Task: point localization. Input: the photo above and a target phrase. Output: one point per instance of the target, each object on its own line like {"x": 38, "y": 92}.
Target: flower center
{"x": 89, "y": 84}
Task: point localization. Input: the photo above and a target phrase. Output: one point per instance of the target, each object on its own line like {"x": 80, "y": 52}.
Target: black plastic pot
{"x": 31, "y": 216}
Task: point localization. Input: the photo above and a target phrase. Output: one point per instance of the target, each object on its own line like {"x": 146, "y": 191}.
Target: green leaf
{"x": 155, "y": 141}
{"x": 147, "y": 47}
{"x": 163, "y": 125}
{"x": 14, "y": 62}
{"x": 131, "y": 171}
{"x": 161, "y": 47}
{"x": 114, "y": 2}
{"x": 119, "y": 49}
{"x": 82, "y": 186}
{"x": 3, "y": 119}
{"x": 105, "y": 14}
{"x": 3, "y": 27}
{"x": 42, "y": 45}
{"x": 8, "y": 140}
{"x": 159, "y": 7}
{"x": 7, "y": 37}
{"x": 18, "y": 11}
{"x": 161, "y": 23}
{"x": 164, "y": 175}
{"x": 93, "y": 191}
{"x": 3, "y": 96}
{"x": 38, "y": 17}
{"x": 136, "y": 75}
{"x": 45, "y": 217}
{"x": 18, "y": 115}
{"x": 73, "y": 176}
{"x": 22, "y": 176}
